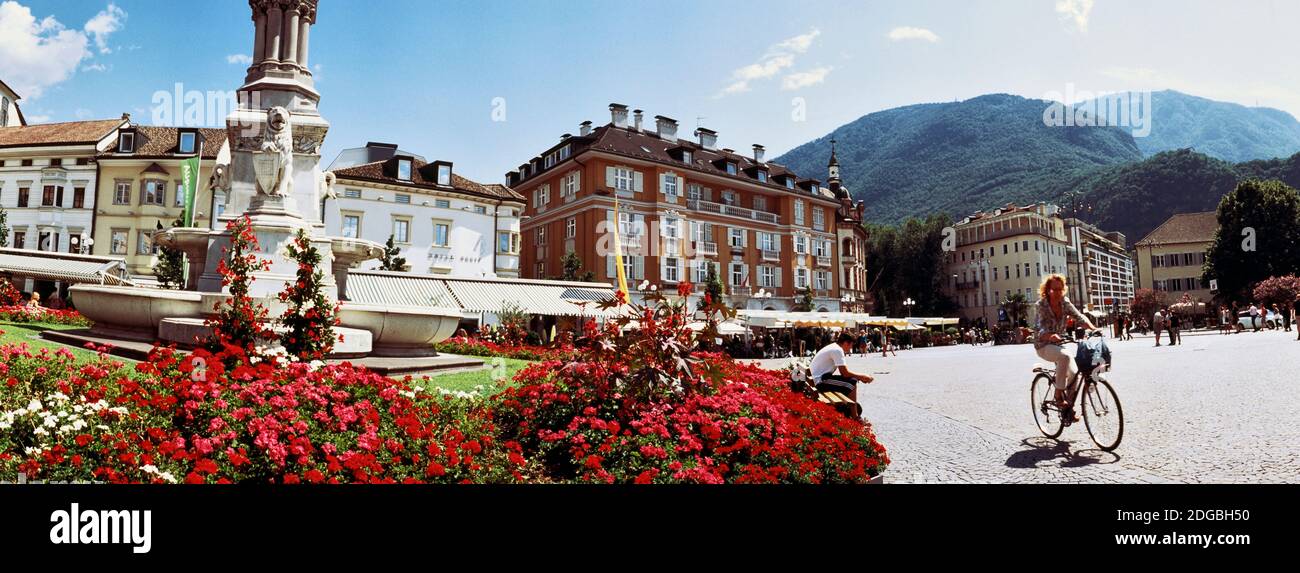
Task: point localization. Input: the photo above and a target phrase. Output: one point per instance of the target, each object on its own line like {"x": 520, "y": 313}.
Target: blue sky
{"x": 427, "y": 74}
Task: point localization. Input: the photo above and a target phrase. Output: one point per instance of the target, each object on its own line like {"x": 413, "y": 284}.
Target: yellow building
{"x": 1171, "y": 257}
{"x": 140, "y": 188}
{"x": 1005, "y": 252}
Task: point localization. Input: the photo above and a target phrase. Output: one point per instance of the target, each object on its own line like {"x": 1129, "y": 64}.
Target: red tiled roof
{"x": 649, "y": 146}
{"x": 422, "y": 178}
{"x": 1184, "y": 228}
{"x": 67, "y": 133}
{"x": 161, "y": 142}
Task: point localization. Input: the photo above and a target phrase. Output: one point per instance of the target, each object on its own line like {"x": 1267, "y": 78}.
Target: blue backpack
{"x": 1092, "y": 353}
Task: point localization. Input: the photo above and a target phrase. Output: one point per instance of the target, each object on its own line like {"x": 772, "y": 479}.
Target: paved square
{"x": 1218, "y": 409}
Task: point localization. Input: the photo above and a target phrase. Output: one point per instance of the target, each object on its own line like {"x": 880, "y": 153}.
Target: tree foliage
{"x": 170, "y": 271}
{"x": 1258, "y": 237}
{"x": 391, "y": 261}
{"x": 908, "y": 262}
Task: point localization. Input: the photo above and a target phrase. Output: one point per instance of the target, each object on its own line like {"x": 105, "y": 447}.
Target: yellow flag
{"x": 618, "y": 255}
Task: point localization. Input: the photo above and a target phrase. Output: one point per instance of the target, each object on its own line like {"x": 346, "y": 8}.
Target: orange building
{"x": 684, "y": 207}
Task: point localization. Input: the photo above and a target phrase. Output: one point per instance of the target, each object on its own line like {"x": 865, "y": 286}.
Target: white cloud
{"x": 243, "y": 59}
{"x": 1076, "y": 12}
{"x": 36, "y": 55}
{"x": 779, "y": 57}
{"x": 94, "y": 68}
{"x": 83, "y": 113}
{"x": 37, "y": 118}
{"x": 104, "y": 23}
{"x": 903, "y": 33}
{"x": 804, "y": 79}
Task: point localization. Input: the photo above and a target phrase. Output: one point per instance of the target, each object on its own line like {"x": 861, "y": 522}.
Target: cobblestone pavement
{"x": 1216, "y": 409}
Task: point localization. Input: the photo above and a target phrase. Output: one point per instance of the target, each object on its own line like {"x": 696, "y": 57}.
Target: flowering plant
{"x": 311, "y": 316}
{"x": 29, "y": 314}
{"x": 239, "y": 322}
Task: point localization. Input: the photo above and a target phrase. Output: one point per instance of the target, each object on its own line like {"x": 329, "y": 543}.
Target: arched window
{"x": 4, "y": 111}
{"x": 848, "y": 247}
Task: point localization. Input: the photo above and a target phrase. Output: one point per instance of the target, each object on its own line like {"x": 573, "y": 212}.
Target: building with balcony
{"x": 686, "y": 208}
{"x": 1004, "y": 252}
{"x": 140, "y": 189}
{"x": 1172, "y": 256}
{"x": 445, "y": 224}
{"x": 48, "y": 178}
{"x": 1100, "y": 271}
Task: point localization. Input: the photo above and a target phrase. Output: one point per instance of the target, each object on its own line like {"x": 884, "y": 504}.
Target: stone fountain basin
{"x": 401, "y": 331}
{"x": 130, "y": 312}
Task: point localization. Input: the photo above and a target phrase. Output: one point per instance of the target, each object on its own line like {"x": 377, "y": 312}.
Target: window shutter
{"x": 638, "y": 182}
{"x": 663, "y": 181}
{"x": 638, "y": 267}
{"x": 609, "y": 176}
{"x": 778, "y": 277}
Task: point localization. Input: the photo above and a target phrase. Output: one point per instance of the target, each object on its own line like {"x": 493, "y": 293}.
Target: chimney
{"x": 584, "y": 129}
{"x": 636, "y": 118}
{"x": 667, "y": 128}
{"x": 565, "y": 136}
{"x": 618, "y": 114}
{"x": 708, "y": 138}
{"x": 758, "y": 153}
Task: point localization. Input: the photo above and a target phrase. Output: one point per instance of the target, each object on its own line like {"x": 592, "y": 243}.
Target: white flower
{"x": 34, "y": 406}
{"x": 51, "y": 422}
{"x": 65, "y": 429}
{"x": 32, "y": 451}
{"x": 41, "y": 432}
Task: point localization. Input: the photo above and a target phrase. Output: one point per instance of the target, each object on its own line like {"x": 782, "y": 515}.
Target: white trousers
{"x": 1065, "y": 368}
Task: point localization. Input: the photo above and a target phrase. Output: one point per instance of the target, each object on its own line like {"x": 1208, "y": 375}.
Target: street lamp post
{"x": 909, "y": 303}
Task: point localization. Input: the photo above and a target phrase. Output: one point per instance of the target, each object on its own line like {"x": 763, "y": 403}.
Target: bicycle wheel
{"x": 1102, "y": 415}
{"x": 1042, "y": 394}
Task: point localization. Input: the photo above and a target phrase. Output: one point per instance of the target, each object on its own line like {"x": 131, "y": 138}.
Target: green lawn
{"x": 497, "y": 375}
{"x": 30, "y": 333}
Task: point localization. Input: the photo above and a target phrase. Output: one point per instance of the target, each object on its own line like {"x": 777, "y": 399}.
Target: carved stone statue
{"x": 220, "y": 180}
{"x": 327, "y": 180}
{"x": 277, "y": 180}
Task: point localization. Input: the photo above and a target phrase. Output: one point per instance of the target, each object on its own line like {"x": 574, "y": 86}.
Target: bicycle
{"x": 1102, "y": 414}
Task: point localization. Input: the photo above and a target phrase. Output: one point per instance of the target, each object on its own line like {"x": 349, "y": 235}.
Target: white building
{"x": 1101, "y": 271}
{"x": 48, "y": 179}
{"x": 444, "y": 224}
{"x": 10, "y": 114}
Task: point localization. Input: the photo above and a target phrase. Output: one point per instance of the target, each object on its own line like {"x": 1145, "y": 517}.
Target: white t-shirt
{"x": 827, "y": 361}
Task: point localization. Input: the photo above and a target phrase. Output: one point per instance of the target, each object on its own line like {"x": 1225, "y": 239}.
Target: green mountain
{"x": 1135, "y": 199}
{"x": 1227, "y": 131}
{"x": 959, "y": 157}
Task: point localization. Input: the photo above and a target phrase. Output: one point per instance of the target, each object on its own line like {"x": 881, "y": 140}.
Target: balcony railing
{"x": 741, "y": 291}
{"x": 972, "y": 285}
{"x": 732, "y": 211}
{"x": 821, "y": 293}
{"x": 706, "y": 248}
{"x": 771, "y": 255}
{"x": 823, "y": 261}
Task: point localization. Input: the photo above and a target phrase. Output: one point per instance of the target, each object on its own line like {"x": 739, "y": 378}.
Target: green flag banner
{"x": 190, "y": 179}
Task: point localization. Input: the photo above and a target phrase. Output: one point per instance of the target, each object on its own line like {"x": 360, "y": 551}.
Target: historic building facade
{"x": 854, "y": 296}
{"x": 685, "y": 209}
{"x": 10, "y": 114}
{"x": 444, "y": 224}
{"x": 1171, "y": 257}
{"x": 1004, "y": 252}
{"x": 140, "y": 188}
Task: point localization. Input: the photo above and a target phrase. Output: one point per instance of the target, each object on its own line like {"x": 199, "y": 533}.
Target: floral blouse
{"x": 1049, "y": 323}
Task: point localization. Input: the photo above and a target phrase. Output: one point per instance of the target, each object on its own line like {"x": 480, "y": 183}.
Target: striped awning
{"x": 481, "y": 295}
{"x": 54, "y": 267}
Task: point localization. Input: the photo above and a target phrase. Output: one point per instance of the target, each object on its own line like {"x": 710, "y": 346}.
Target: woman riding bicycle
{"x": 1054, "y": 312}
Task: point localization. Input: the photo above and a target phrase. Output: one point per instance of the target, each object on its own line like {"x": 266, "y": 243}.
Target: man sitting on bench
{"x": 829, "y": 372}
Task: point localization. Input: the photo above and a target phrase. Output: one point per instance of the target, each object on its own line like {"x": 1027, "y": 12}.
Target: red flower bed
{"x": 185, "y": 419}
{"x": 29, "y": 314}
{"x": 475, "y": 347}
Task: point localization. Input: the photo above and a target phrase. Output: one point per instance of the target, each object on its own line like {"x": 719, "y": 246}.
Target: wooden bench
{"x": 802, "y": 382}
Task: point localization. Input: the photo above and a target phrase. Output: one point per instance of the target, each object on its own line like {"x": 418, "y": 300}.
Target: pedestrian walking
{"x": 1175, "y": 323}
{"x": 1158, "y": 322}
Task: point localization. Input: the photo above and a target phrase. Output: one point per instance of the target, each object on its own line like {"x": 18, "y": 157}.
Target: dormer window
{"x": 444, "y": 174}
{"x": 188, "y": 142}
{"x": 762, "y": 176}
{"x": 731, "y": 168}
{"x": 688, "y": 157}
{"x": 404, "y": 169}
{"x": 789, "y": 182}
{"x": 126, "y": 142}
